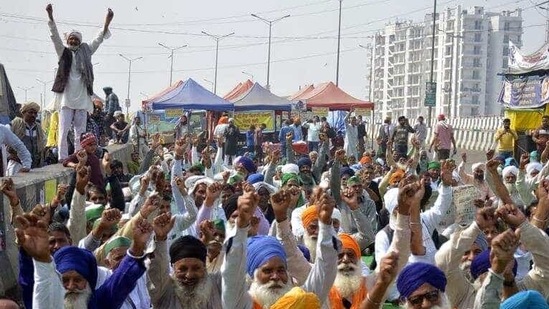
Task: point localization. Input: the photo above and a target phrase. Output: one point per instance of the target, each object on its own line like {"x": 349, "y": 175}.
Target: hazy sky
{"x": 303, "y": 49}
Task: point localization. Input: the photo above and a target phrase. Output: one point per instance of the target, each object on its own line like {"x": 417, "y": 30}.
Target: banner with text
{"x": 364, "y": 112}
{"x": 320, "y": 111}
{"x": 245, "y": 119}
{"x": 526, "y": 92}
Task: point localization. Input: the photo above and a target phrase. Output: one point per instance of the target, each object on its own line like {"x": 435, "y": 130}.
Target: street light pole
{"x": 368, "y": 49}
{"x": 270, "y": 23}
{"x": 129, "y": 80}
{"x": 217, "y": 38}
{"x": 338, "y": 44}
{"x": 434, "y": 30}
{"x": 250, "y": 75}
{"x": 26, "y": 89}
{"x": 172, "y": 50}
{"x": 44, "y": 84}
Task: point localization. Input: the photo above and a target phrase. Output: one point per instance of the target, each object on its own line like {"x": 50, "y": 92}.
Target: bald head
{"x": 8, "y": 304}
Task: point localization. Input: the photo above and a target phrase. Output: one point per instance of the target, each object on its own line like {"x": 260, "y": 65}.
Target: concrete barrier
{"x": 472, "y": 133}
{"x": 31, "y": 188}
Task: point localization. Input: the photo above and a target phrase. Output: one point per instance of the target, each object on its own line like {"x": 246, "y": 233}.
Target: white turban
{"x": 290, "y": 168}
{"x": 534, "y": 166}
{"x": 478, "y": 165}
{"x": 74, "y": 33}
{"x": 336, "y": 214}
{"x": 193, "y": 181}
{"x": 510, "y": 170}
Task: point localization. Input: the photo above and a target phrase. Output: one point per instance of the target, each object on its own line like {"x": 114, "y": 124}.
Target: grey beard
{"x": 78, "y": 300}
{"x": 193, "y": 297}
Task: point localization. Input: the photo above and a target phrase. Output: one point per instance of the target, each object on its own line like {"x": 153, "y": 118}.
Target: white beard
{"x": 193, "y": 297}
{"x": 230, "y": 226}
{"x": 445, "y": 303}
{"x": 348, "y": 280}
{"x": 466, "y": 269}
{"x": 78, "y": 299}
{"x": 310, "y": 243}
{"x": 266, "y": 295}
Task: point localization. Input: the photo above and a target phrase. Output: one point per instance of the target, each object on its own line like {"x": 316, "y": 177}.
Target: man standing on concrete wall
{"x": 73, "y": 86}
{"x": 443, "y": 139}
{"x": 506, "y": 138}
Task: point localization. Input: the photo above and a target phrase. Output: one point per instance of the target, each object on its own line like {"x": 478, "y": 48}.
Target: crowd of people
{"x": 199, "y": 227}
{"x": 313, "y": 220}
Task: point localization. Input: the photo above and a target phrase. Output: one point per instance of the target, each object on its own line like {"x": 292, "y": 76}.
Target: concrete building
{"x": 471, "y": 48}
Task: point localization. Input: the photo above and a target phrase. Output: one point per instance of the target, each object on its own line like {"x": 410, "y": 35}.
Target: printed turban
{"x": 187, "y": 247}
{"x": 416, "y": 274}
{"x": 525, "y": 299}
{"x": 80, "y": 260}
{"x": 304, "y": 161}
{"x": 248, "y": 164}
{"x": 28, "y": 106}
{"x": 297, "y": 298}
{"x": 481, "y": 264}
{"x": 260, "y": 250}
{"x": 309, "y": 215}
{"x": 510, "y": 171}
{"x": 349, "y": 242}
{"x": 88, "y": 139}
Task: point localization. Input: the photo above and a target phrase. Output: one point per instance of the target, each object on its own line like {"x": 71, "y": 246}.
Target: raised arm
{"x": 54, "y": 33}
{"x": 158, "y": 274}
{"x": 104, "y": 34}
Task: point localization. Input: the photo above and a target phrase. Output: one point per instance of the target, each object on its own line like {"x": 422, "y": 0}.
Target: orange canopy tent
{"x": 301, "y": 92}
{"x": 330, "y": 96}
{"x": 239, "y": 90}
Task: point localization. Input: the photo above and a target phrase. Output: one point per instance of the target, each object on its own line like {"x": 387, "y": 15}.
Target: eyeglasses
{"x": 430, "y": 296}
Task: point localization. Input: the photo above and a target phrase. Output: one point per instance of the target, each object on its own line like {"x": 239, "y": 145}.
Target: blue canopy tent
{"x": 261, "y": 99}
{"x": 191, "y": 96}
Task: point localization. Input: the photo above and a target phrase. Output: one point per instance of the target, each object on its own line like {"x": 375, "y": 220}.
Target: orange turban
{"x": 309, "y": 215}
{"x": 223, "y": 120}
{"x": 396, "y": 176}
{"x": 366, "y": 160}
{"x": 297, "y": 298}
{"x": 350, "y": 243}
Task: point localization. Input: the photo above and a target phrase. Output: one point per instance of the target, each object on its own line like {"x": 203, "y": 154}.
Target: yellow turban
{"x": 349, "y": 242}
{"x": 309, "y": 215}
{"x": 28, "y": 106}
{"x": 297, "y": 298}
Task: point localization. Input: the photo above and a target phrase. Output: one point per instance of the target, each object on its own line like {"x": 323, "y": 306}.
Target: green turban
{"x": 433, "y": 165}
{"x": 236, "y": 178}
{"x": 219, "y": 224}
{"x": 93, "y": 212}
{"x": 289, "y": 176}
{"x": 353, "y": 181}
{"x": 117, "y": 242}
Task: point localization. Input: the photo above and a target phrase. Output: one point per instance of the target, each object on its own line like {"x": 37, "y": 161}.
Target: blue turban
{"x": 482, "y": 242}
{"x": 80, "y": 260}
{"x": 248, "y": 164}
{"x": 255, "y": 178}
{"x": 511, "y": 162}
{"x": 304, "y": 161}
{"x": 416, "y": 274}
{"x": 305, "y": 251}
{"x": 525, "y": 299}
{"x": 346, "y": 171}
{"x": 260, "y": 250}
{"x": 481, "y": 264}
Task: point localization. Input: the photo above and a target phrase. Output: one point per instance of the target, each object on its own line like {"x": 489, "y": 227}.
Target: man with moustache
{"x": 263, "y": 258}
{"x": 477, "y": 178}
{"x": 30, "y": 132}
{"x": 69, "y": 280}
{"x": 73, "y": 86}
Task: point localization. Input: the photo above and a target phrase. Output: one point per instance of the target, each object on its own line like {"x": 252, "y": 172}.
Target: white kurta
{"x": 351, "y": 140}
{"x": 76, "y": 94}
